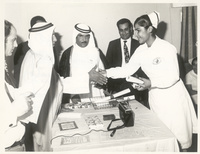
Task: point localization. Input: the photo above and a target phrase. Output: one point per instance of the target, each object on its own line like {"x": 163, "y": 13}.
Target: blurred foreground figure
{"x": 38, "y": 74}
{"x": 16, "y": 102}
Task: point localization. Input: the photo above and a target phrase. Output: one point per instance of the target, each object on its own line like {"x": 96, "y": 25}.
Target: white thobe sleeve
{"x": 128, "y": 69}
{"x": 11, "y": 129}
{"x": 43, "y": 77}
{"x": 100, "y": 65}
{"x": 6, "y": 109}
{"x": 76, "y": 84}
{"x": 38, "y": 84}
{"x": 17, "y": 92}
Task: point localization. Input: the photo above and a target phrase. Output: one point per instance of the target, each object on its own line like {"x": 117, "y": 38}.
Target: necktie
{"x": 126, "y": 54}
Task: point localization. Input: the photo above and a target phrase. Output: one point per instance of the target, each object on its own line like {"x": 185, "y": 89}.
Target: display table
{"x": 147, "y": 134}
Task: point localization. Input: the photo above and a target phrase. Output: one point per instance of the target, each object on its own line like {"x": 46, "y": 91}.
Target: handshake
{"x": 99, "y": 77}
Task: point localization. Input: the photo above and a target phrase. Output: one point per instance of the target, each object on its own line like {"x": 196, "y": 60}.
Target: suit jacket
{"x": 114, "y": 53}
{"x": 114, "y": 58}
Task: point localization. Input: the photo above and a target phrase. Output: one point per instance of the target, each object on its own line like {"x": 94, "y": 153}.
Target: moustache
{"x": 84, "y": 42}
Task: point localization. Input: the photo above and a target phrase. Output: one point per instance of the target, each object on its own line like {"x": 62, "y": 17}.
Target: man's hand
{"x": 97, "y": 77}
{"x": 143, "y": 86}
{"x": 190, "y": 90}
{"x": 23, "y": 103}
{"x": 103, "y": 72}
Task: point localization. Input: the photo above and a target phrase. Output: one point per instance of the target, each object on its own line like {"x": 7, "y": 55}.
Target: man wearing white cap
{"x": 39, "y": 76}
{"x": 78, "y": 64}
{"x": 168, "y": 97}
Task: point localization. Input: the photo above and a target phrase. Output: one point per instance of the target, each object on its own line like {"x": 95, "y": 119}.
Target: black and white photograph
{"x": 89, "y": 76}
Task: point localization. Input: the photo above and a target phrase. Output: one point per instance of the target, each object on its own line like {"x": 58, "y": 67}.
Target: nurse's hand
{"x": 145, "y": 85}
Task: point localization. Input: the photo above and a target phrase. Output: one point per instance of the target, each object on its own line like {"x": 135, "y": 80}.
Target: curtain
{"x": 189, "y": 33}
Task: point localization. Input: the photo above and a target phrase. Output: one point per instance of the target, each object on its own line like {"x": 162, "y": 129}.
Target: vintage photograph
{"x": 99, "y": 76}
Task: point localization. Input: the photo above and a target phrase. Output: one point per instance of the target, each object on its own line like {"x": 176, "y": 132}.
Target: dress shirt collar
{"x": 128, "y": 41}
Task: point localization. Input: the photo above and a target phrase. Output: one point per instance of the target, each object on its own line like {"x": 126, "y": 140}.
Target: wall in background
{"x": 101, "y": 17}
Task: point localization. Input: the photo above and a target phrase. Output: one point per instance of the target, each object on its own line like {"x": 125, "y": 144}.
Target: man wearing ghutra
{"x": 21, "y": 50}
{"x": 78, "y": 64}
{"x": 38, "y": 74}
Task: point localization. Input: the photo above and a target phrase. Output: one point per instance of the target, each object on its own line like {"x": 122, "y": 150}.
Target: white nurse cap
{"x": 154, "y": 18}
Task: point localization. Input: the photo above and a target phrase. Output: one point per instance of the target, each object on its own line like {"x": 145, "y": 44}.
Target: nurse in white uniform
{"x": 168, "y": 97}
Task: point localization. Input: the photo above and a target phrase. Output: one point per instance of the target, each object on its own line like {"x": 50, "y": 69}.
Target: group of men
{"x": 79, "y": 68}
{"x": 34, "y": 100}
{"x": 83, "y": 56}
{"x": 84, "y": 71}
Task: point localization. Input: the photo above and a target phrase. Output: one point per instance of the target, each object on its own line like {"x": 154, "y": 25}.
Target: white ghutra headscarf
{"x": 40, "y": 40}
{"x": 83, "y": 59}
{"x": 36, "y": 69}
{"x": 83, "y": 29}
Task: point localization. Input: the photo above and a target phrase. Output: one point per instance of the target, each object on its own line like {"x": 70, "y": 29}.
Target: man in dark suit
{"x": 118, "y": 54}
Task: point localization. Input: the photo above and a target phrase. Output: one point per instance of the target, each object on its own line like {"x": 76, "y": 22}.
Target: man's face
{"x": 11, "y": 42}
{"x": 82, "y": 40}
{"x": 125, "y": 31}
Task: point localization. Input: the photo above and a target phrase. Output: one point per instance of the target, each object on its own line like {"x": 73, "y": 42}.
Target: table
{"x": 147, "y": 134}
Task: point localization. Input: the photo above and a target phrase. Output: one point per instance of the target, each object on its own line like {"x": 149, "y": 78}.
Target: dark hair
{"x": 145, "y": 22}
{"x": 36, "y": 19}
{"x": 194, "y": 60}
{"x": 7, "y": 26}
{"x": 123, "y": 21}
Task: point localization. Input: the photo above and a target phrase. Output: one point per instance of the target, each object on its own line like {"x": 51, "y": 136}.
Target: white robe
{"x": 12, "y": 130}
{"x": 172, "y": 105}
{"x": 36, "y": 76}
{"x": 82, "y": 60}
{"x": 39, "y": 77}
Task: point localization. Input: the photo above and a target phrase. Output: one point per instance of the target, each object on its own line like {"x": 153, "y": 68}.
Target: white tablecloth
{"x": 147, "y": 134}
